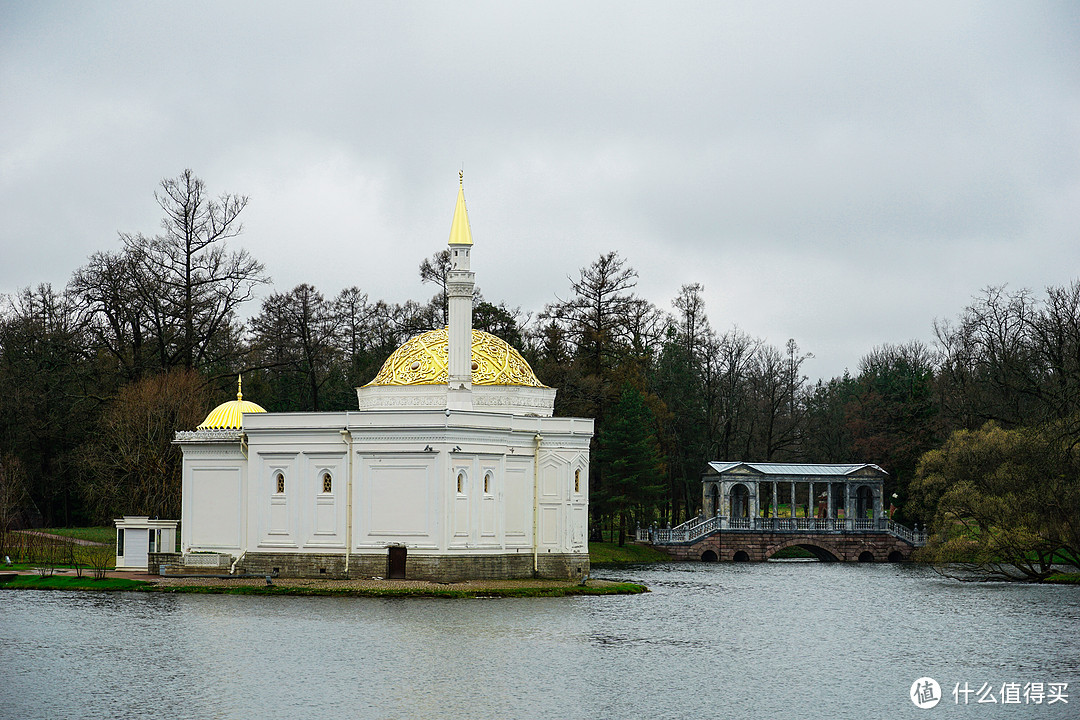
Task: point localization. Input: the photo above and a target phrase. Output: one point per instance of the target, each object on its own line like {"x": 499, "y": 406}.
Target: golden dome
{"x": 230, "y": 415}
{"x": 423, "y": 360}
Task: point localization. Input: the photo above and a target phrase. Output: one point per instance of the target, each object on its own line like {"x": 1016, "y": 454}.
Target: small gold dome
{"x": 230, "y": 415}
{"x": 423, "y": 360}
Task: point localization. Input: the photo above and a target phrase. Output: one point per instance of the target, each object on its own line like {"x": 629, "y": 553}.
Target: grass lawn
{"x": 103, "y": 535}
{"x": 609, "y": 552}
{"x": 57, "y": 582}
{"x": 1064, "y": 578}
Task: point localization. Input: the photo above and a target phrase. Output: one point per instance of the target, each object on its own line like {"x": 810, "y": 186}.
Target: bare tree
{"x": 13, "y": 496}
{"x": 1055, "y": 341}
{"x": 132, "y": 466}
{"x": 299, "y": 330}
{"x": 989, "y": 362}
{"x": 110, "y": 306}
{"x": 693, "y": 322}
{"x": 356, "y": 315}
{"x": 595, "y": 318}
{"x": 735, "y": 360}
{"x": 434, "y": 270}
{"x": 190, "y": 282}
{"x": 48, "y": 382}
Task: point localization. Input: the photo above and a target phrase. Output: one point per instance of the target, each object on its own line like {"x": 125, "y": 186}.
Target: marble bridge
{"x": 757, "y": 539}
{"x": 842, "y": 507}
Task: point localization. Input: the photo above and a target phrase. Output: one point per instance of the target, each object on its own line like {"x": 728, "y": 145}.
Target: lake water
{"x": 750, "y": 640}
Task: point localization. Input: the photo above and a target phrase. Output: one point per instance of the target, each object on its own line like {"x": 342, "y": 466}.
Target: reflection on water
{"x": 784, "y": 639}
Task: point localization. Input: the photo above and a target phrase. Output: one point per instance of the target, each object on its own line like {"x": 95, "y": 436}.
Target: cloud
{"x": 840, "y": 173}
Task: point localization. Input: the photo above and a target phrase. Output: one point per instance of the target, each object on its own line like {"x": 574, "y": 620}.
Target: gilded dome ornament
{"x": 423, "y": 360}
{"x": 230, "y": 415}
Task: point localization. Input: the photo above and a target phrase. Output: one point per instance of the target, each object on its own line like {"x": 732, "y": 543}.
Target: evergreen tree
{"x": 632, "y": 462}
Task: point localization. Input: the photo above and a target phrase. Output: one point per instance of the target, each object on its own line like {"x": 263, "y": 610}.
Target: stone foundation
{"x": 154, "y": 561}
{"x": 434, "y": 568}
{"x": 190, "y": 564}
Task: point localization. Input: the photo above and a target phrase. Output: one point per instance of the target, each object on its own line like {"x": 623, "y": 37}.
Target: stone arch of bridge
{"x": 714, "y": 500}
{"x": 739, "y": 501}
{"x": 821, "y": 551}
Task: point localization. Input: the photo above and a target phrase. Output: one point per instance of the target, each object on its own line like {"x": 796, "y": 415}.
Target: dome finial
{"x": 460, "y": 234}
{"x": 230, "y": 415}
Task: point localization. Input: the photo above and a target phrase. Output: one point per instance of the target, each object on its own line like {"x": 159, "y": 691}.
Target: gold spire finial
{"x": 239, "y": 386}
{"x": 460, "y": 234}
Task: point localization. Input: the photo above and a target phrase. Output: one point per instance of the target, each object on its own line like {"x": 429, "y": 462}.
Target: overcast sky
{"x": 837, "y": 173}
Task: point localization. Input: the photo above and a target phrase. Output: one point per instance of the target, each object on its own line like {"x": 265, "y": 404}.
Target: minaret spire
{"x": 460, "y": 234}
{"x": 460, "y": 282}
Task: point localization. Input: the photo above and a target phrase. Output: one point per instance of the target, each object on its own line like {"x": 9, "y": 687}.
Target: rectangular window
{"x": 120, "y": 542}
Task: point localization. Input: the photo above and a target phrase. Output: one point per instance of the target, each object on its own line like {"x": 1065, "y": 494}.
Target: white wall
{"x": 213, "y": 502}
{"x": 396, "y": 501}
{"x": 404, "y": 484}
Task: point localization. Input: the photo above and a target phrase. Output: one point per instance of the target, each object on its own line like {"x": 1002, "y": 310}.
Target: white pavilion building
{"x": 452, "y": 468}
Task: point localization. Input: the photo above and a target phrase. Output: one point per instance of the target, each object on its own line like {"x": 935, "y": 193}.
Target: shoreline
{"x": 372, "y": 587}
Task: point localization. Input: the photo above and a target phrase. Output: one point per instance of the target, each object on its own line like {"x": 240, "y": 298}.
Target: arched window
{"x": 327, "y": 484}
{"x": 577, "y": 480}
{"x": 487, "y": 483}
{"x": 461, "y": 483}
{"x": 280, "y": 482}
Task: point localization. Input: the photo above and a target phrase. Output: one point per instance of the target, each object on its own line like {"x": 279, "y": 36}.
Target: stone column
{"x": 849, "y": 508}
{"x": 828, "y": 501}
{"x": 793, "y": 503}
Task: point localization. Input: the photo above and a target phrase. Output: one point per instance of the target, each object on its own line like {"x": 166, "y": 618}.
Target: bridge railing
{"x": 699, "y": 527}
{"x": 915, "y": 537}
{"x": 687, "y": 532}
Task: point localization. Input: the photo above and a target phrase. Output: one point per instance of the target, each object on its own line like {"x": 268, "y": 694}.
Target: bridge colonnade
{"x": 828, "y": 492}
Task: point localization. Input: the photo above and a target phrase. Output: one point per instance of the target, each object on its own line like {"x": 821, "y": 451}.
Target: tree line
{"x": 147, "y": 337}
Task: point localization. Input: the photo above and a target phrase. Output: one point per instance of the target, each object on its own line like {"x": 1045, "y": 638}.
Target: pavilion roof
{"x": 804, "y": 470}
